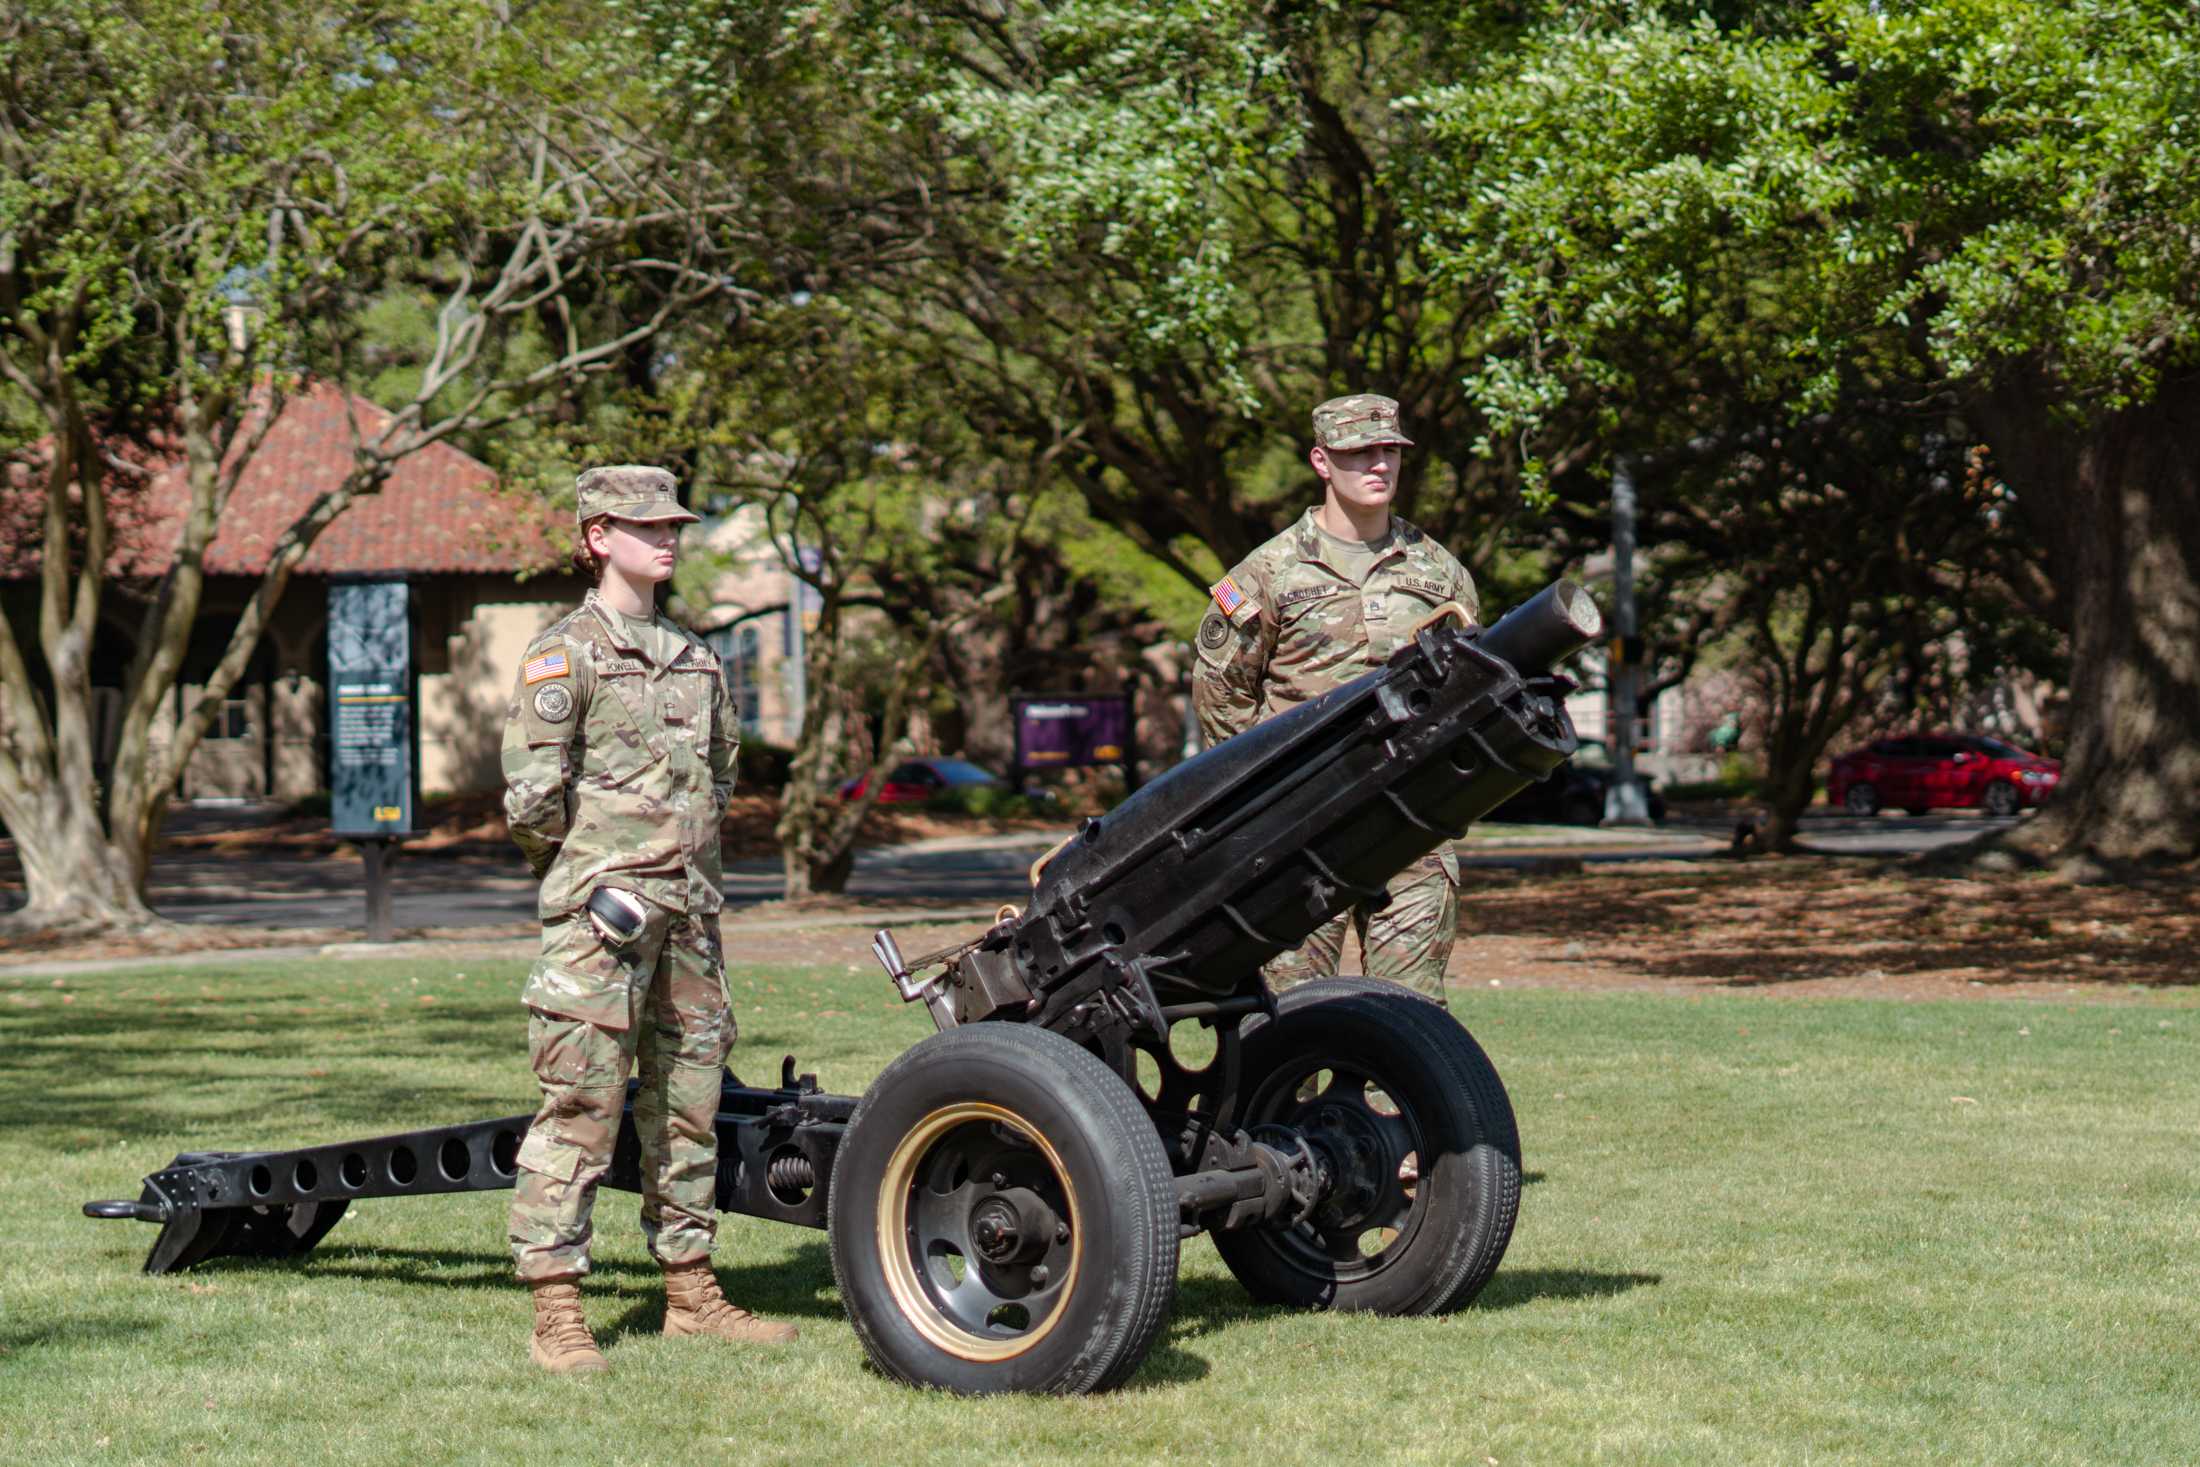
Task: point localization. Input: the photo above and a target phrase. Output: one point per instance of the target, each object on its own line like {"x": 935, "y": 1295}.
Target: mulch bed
{"x": 1827, "y": 926}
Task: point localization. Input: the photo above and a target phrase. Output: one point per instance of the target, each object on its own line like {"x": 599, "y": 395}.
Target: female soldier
{"x": 618, "y": 762}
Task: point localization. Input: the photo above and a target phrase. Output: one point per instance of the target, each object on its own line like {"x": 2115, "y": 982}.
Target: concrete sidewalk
{"x": 519, "y": 949}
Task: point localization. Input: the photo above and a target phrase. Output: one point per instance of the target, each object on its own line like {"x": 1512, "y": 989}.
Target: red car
{"x": 1941, "y": 771}
{"x": 918, "y": 780}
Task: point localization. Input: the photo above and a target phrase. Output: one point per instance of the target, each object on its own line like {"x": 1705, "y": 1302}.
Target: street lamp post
{"x": 1624, "y": 800}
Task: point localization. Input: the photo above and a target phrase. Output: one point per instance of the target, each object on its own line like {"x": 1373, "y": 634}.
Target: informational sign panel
{"x": 370, "y": 699}
{"x": 1055, "y": 732}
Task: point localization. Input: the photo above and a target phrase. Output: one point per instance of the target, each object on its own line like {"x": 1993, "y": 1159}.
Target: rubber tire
{"x": 1861, "y": 799}
{"x": 2001, "y": 800}
{"x": 1916, "y": 811}
{"x": 1128, "y": 1264}
{"x": 1432, "y": 1067}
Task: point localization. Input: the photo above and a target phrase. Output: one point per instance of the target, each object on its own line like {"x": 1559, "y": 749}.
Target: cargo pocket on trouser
{"x": 577, "y": 976}
{"x": 581, "y": 1068}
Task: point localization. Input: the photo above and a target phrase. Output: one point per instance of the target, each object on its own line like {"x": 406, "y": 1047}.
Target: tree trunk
{"x": 75, "y": 877}
{"x": 1787, "y": 796}
{"x": 2116, "y": 502}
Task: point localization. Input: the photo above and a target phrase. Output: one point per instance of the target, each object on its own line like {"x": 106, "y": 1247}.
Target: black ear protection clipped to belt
{"x": 618, "y": 916}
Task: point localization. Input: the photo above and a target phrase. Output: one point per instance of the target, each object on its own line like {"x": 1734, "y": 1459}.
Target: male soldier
{"x": 618, "y": 762}
{"x": 1322, "y": 603}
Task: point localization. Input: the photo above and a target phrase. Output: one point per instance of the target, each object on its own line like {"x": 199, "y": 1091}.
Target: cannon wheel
{"x": 1002, "y": 1217}
{"x": 1378, "y": 1077}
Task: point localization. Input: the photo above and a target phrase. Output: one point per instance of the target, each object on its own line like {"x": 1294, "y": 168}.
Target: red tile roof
{"x": 439, "y": 511}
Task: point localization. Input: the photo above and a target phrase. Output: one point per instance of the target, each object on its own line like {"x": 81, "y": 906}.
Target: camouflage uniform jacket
{"x": 617, "y": 768}
{"x": 1287, "y": 626}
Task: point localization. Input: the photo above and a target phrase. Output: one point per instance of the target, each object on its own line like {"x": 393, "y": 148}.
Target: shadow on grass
{"x": 799, "y": 1287}
{"x": 75, "y": 1332}
{"x": 1515, "y": 1287}
{"x": 1208, "y": 1306}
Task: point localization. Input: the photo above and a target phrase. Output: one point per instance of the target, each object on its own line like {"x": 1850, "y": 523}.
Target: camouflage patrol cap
{"x": 628, "y": 492}
{"x": 1358, "y": 421}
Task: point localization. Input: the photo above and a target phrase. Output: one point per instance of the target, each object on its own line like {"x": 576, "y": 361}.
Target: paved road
{"x": 1834, "y": 834}
{"x": 487, "y": 892}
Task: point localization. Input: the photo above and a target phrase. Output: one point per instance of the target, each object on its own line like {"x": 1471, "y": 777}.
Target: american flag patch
{"x": 548, "y": 665}
{"x": 1228, "y": 597}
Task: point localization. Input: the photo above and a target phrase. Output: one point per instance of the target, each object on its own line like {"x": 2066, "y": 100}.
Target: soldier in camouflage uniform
{"x": 1319, "y": 605}
{"x": 618, "y": 763}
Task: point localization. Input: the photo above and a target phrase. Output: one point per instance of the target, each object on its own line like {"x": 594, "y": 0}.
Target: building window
{"x": 233, "y": 722}
{"x": 737, "y": 649}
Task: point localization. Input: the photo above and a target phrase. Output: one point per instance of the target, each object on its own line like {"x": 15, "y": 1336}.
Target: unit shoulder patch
{"x": 554, "y": 704}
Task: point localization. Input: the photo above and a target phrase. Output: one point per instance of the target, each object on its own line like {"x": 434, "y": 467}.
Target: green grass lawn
{"x": 1755, "y": 1230}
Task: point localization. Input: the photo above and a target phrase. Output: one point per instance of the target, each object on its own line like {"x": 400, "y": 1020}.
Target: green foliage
{"x": 1827, "y": 188}
{"x": 1124, "y": 577}
{"x": 1141, "y": 238}
{"x": 141, "y": 204}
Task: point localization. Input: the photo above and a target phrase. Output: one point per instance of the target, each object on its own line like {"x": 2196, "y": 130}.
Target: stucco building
{"x": 484, "y": 568}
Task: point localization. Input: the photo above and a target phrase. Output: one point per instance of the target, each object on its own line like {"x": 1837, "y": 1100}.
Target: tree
{"x": 871, "y": 499}
{"x": 1983, "y": 209}
{"x": 192, "y": 217}
{"x": 1148, "y": 235}
{"x": 1839, "y": 558}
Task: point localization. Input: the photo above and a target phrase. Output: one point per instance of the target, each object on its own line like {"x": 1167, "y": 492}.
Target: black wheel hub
{"x": 1356, "y": 1151}
{"x": 1360, "y": 1139}
{"x": 1012, "y": 1226}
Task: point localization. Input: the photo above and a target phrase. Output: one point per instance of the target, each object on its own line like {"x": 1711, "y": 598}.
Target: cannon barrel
{"x": 1547, "y": 628}
{"x": 1179, "y": 895}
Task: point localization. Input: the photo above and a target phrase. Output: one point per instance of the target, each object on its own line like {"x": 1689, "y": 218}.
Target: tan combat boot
{"x": 694, "y": 1306}
{"x": 561, "y": 1342}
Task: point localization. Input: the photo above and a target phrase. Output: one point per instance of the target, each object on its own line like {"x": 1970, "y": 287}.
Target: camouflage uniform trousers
{"x": 1409, "y": 941}
{"x": 680, "y": 1028}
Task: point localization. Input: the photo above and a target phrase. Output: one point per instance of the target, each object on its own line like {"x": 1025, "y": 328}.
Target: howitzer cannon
{"x": 1006, "y": 1202}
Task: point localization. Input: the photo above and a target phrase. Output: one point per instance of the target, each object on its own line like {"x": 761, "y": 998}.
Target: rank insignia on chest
{"x": 548, "y": 665}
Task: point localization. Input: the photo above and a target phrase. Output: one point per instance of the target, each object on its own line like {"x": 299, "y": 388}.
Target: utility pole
{"x": 1624, "y": 800}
